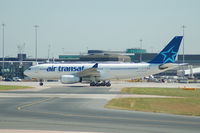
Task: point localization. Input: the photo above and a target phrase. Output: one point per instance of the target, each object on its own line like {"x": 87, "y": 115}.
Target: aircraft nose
{"x": 27, "y": 72}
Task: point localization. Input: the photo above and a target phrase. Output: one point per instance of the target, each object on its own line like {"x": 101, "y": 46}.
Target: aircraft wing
{"x": 90, "y": 72}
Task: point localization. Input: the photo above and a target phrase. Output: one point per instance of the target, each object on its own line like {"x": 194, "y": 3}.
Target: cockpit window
{"x": 29, "y": 69}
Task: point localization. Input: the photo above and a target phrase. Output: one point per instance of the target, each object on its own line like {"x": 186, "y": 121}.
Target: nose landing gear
{"x": 41, "y": 82}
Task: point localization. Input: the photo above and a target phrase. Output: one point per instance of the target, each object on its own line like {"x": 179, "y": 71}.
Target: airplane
{"x": 100, "y": 74}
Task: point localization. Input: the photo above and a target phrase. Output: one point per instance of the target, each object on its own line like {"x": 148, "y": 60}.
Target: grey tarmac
{"x": 80, "y": 108}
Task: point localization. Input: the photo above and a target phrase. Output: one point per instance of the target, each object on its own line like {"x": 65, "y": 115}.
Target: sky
{"x": 74, "y": 26}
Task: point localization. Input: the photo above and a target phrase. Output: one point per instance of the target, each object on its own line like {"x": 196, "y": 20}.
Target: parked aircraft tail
{"x": 169, "y": 53}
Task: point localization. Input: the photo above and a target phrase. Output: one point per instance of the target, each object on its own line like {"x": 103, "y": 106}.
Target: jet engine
{"x": 70, "y": 79}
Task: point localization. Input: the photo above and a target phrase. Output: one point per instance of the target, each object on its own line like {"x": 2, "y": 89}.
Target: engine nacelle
{"x": 70, "y": 79}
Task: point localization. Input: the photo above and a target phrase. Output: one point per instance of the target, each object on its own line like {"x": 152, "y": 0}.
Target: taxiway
{"x": 80, "y": 108}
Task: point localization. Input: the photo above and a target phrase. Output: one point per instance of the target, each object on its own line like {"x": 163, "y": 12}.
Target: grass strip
{"x": 163, "y": 91}
{"x": 189, "y": 104}
{"x": 180, "y": 106}
{"x": 13, "y": 87}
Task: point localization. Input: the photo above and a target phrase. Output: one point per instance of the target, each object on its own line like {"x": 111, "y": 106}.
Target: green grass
{"x": 180, "y": 106}
{"x": 13, "y": 87}
{"x": 189, "y": 104}
{"x": 163, "y": 91}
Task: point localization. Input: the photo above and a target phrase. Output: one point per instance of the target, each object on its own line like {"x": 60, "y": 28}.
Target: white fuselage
{"x": 107, "y": 71}
{"x": 73, "y": 73}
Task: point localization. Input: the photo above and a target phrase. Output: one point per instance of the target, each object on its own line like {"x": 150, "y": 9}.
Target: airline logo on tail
{"x": 169, "y": 53}
{"x": 169, "y": 56}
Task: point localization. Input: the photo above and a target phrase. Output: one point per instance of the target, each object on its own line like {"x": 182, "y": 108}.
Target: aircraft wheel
{"x": 108, "y": 84}
{"x": 41, "y": 84}
{"x": 103, "y": 83}
{"x": 92, "y": 84}
{"x": 98, "y": 84}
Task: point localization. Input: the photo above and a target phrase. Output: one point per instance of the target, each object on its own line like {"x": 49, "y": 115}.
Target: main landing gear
{"x": 101, "y": 83}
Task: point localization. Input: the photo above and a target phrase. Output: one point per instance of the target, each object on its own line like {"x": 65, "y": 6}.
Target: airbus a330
{"x": 100, "y": 74}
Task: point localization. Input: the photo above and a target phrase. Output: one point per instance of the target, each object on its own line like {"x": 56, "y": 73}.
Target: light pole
{"x": 49, "y": 48}
{"x": 36, "y": 27}
{"x": 63, "y": 51}
{"x": 183, "y": 43}
{"x": 141, "y": 50}
{"x": 3, "y": 25}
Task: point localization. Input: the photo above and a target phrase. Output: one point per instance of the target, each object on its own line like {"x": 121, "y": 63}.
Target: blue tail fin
{"x": 168, "y": 54}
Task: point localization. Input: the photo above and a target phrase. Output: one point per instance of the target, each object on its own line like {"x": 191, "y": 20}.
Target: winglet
{"x": 95, "y": 65}
{"x": 169, "y": 53}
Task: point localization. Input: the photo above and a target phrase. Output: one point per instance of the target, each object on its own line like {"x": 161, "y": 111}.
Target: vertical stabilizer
{"x": 169, "y": 53}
